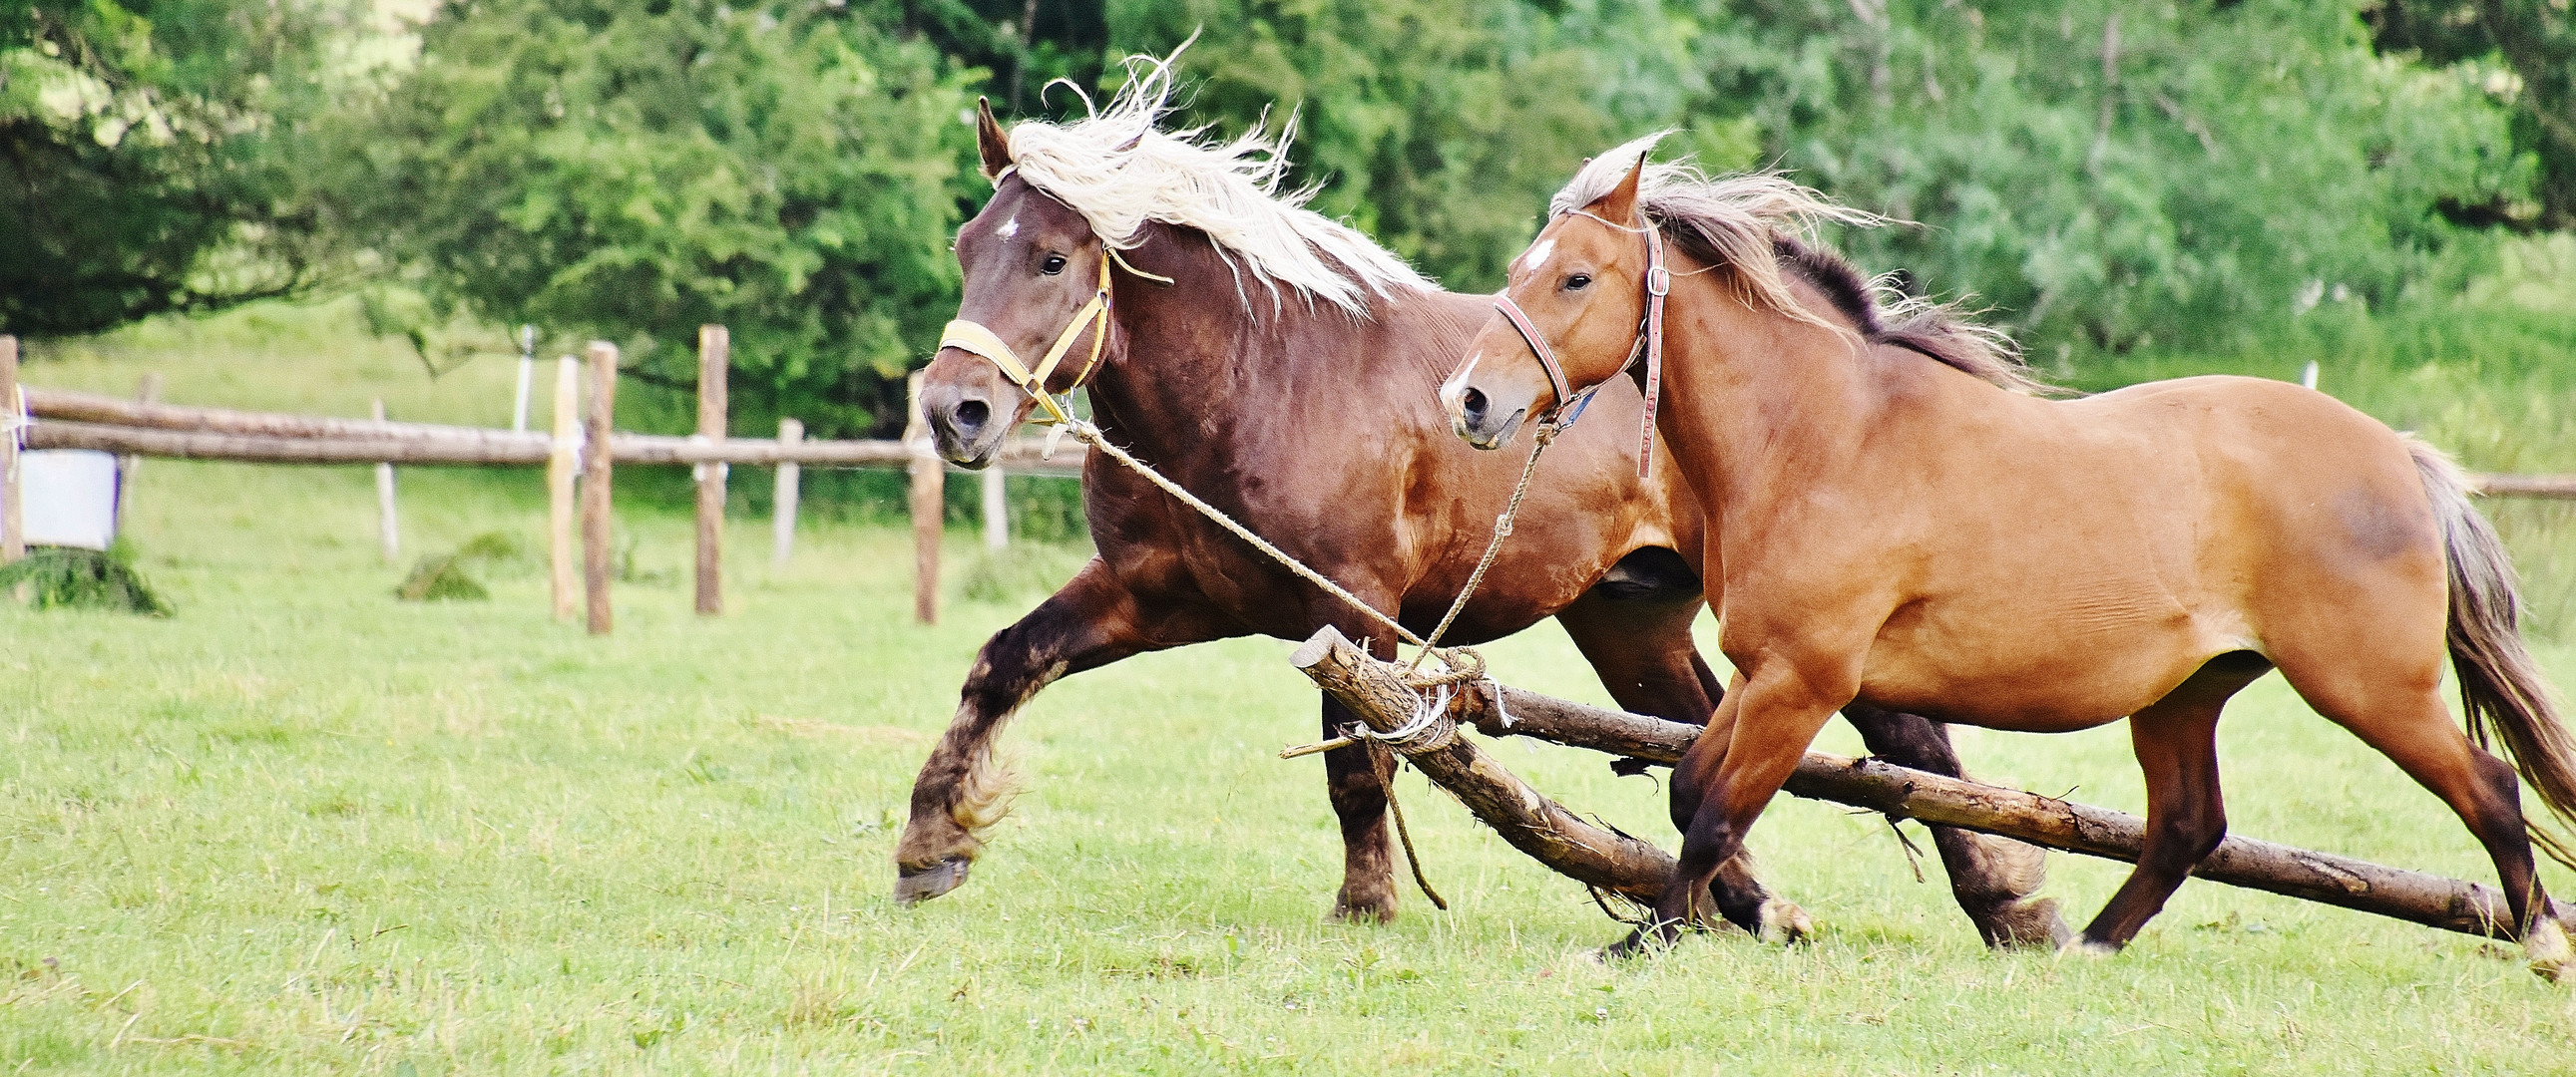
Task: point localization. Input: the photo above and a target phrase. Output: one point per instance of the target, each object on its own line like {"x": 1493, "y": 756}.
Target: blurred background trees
{"x": 2108, "y": 178}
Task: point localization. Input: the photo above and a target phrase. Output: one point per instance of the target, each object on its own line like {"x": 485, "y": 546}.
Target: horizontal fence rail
{"x": 67, "y": 420}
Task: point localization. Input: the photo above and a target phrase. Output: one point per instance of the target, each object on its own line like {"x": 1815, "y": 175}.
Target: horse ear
{"x": 994, "y": 146}
{"x": 1620, "y": 205}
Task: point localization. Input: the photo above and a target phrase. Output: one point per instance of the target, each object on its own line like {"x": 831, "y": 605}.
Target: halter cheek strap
{"x": 1093, "y": 316}
{"x": 1649, "y": 346}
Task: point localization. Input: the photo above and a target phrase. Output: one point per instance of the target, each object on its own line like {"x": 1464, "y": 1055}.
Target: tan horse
{"x": 1895, "y": 517}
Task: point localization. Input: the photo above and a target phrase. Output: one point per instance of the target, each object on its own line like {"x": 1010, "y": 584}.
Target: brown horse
{"x": 1345, "y": 463}
{"x": 1900, "y": 520}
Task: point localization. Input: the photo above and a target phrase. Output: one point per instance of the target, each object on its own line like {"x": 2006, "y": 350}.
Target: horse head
{"x": 1568, "y": 319}
{"x": 1033, "y": 316}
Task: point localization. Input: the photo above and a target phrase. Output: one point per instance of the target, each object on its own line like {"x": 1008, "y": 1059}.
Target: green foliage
{"x": 2114, "y": 175}
{"x": 445, "y": 577}
{"x": 633, "y": 172}
{"x": 1439, "y": 128}
{"x": 2530, "y": 45}
{"x": 149, "y": 156}
{"x": 52, "y": 577}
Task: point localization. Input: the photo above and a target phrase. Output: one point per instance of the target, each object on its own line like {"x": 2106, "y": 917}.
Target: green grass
{"x": 305, "y": 827}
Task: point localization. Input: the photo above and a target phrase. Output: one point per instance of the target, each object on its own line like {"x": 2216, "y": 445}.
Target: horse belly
{"x": 2035, "y": 668}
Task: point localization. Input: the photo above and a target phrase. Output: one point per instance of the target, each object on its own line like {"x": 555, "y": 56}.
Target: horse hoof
{"x": 2084, "y": 947}
{"x": 1643, "y": 942}
{"x": 1784, "y": 922}
{"x": 1363, "y": 911}
{"x": 2030, "y": 924}
{"x": 2552, "y": 959}
{"x": 917, "y": 885}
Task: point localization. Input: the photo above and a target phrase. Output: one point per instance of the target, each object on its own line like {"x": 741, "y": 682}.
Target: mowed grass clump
{"x": 305, "y": 827}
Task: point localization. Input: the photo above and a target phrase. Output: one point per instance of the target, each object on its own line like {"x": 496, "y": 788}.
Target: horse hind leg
{"x": 2176, "y": 739}
{"x": 2415, "y": 731}
{"x": 1992, "y": 877}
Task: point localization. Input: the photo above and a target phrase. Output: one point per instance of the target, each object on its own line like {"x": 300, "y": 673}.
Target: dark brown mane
{"x": 1883, "y": 313}
{"x": 1752, "y": 223}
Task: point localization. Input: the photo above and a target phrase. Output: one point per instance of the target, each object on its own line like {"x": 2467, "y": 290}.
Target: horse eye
{"x": 1577, "y": 282}
{"x": 1054, "y": 264}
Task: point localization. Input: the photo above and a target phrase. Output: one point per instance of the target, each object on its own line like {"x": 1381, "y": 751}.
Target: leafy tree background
{"x": 2105, "y": 177}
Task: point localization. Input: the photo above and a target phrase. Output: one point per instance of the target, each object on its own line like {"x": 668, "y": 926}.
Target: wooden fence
{"x": 56, "y": 419}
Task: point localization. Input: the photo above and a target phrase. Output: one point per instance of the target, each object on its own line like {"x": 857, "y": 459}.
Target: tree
{"x": 1438, "y": 127}
{"x": 2533, "y": 45}
{"x": 2108, "y": 174}
{"x": 635, "y": 171}
{"x": 148, "y": 157}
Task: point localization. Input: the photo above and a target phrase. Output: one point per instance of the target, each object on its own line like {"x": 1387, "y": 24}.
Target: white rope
{"x": 1430, "y": 715}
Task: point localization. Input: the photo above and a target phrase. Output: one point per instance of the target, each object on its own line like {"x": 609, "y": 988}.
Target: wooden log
{"x": 130, "y": 465}
{"x": 1899, "y": 792}
{"x": 714, "y": 356}
{"x": 388, "y": 529}
{"x": 595, "y": 534}
{"x": 13, "y": 429}
{"x": 563, "y": 461}
{"x": 1527, "y": 819}
{"x": 782, "y": 502}
{"x": 926, "y": 505}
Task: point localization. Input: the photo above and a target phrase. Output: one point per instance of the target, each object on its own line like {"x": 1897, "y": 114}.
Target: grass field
{"x": 303, "y": 827}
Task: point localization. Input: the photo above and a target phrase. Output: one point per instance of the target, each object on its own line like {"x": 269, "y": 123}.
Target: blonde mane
{"x": 1762, "y": 227}
{"x": 1118, "y": 170}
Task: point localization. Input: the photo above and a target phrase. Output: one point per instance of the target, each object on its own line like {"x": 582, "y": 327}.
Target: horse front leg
{"x": 962, "y": 789}
{"x": 1992, "y": 877}
{"x": 1357, "y": 786}
{"x": 1639, "y": 643}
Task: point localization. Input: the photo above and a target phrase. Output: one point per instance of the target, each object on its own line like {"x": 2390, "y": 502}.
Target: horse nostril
{"x": 972, "y": 413}
{"x": 1472, "y": 405}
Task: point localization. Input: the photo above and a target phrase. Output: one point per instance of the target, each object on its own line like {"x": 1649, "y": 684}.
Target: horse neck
{"x": 1198, "y": 373}
{"x": 1754, "y": 398}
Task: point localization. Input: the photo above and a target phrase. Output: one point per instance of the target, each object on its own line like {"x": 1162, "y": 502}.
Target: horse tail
{"x": 2500, "y": 687}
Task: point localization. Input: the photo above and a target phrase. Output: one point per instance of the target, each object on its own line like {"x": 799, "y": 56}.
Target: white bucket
{"x": 68, "y": 497}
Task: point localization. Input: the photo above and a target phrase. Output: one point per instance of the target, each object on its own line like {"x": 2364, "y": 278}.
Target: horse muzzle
{"x": 1474, "y": 417}
{"x": 967, "y": 424}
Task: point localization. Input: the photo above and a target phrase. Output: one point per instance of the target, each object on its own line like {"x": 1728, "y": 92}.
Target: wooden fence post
{"x": 997, "y": 510}
{"x": 388, "y": 529}
{"x": 527, "y": 374}
{"x": 563, "y": 458}
{"x": 595, "y": 537}
{"x": 782, "y": 525}
{"x": 13, "y": 419}
{"x": 928, "y": 482}
{"x": 147, "y": 392}
{"x": 714, "y": 355}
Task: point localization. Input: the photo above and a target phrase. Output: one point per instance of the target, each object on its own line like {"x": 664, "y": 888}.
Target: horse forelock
{"x": 1118, "y": 168}
{"x": 1761, "y": 227}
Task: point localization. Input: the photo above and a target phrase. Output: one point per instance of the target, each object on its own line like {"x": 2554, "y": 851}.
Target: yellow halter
{"x": 1094, "y": 316}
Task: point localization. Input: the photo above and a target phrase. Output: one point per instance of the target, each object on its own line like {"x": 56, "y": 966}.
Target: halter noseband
{"x": 968, "y": 335}
{"x": 1650, "y": 346}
